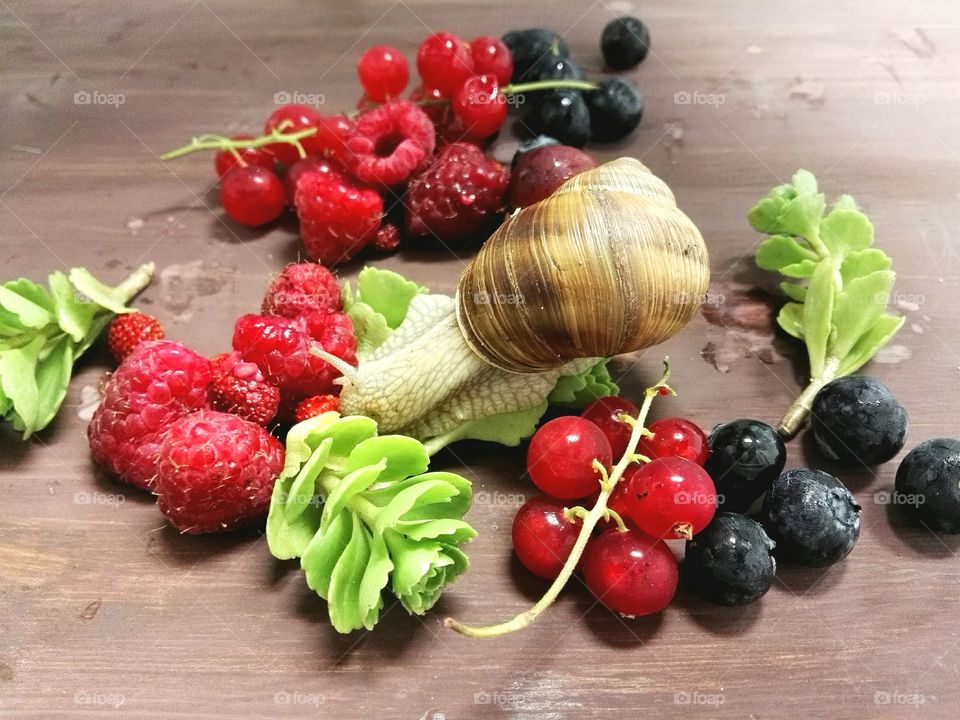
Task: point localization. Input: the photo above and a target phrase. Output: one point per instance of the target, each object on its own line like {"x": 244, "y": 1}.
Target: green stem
{"x": 599, "y": 510}
{"x": 135, "y": 282}
{"x": 219, "y": 142}
{"x": 513, "y": 89}
{"x": 797, "y": 413}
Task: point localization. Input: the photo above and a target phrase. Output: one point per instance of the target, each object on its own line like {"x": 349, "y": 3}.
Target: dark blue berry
{"x": 746, "y": 456}
{"x": 551, "y": 67}
{"x": 562, "y": 114}
{"x": 931, "y": 474}
{"x": 625, "y": 42}
{"x": 730, "y": 561}
{"x": 857, "y": 421}
{"x": 812, "y": 517}
{"x": 531, "y": 47}
{"x": 616, "y": 108}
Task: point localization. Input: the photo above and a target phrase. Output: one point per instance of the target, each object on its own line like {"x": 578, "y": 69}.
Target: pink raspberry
{"x": 280, "y": 347}
{"x": 389, "y": 143}
{"x": 215, "y": 472}
{"x": 338, "y": 217}
{"x": 301, "y": 288}
{"x": 241, "y": 389}
{"x": 158, "y": 383}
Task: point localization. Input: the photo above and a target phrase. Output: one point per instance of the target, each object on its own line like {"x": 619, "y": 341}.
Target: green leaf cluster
{"x": 363, "y": 513}
{"x": 43, "y": 330}
{"x": 839, "y": 284}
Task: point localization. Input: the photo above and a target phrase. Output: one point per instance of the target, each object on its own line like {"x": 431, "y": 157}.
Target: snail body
{"x": 605, "y": 265}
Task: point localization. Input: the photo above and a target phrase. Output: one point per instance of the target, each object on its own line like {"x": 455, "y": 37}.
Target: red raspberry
{"x": 390, "y": 142}
{"x": 388, "y": 238}
{"x": 160, "y": 382}
{"x": 241, "y": 389}
{"x": 456, "y": 195}
{"x": 301, "y": 288}
{"x": 216, "y": 472}
{"x": 338, "y": 218}
{"x": 310, "y": 165}
{"x": 128, "y": 331}
{"x": 281, "y": 348}
{"x": 444, "y": 61}
{"x": 316, "y": 405}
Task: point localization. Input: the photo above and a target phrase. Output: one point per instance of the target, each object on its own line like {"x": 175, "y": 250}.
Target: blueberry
{"x": 812, "y": 517}
{"x": 746, "y": 456}
{"x": 730, "y": 561}
{"x": 857, "y": 421}
{"x": 616, "y": 108}
{"x": 531, "y": 47}
{"x": 625, "y": 42}
{"x": 562, "y": 114}
{"x": 931, "y": 473}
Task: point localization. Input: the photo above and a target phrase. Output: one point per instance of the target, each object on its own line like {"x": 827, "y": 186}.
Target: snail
{"x": 605, "y": 265}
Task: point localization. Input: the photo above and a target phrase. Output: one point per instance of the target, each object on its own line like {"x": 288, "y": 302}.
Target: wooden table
{"x": 106, "y": 611}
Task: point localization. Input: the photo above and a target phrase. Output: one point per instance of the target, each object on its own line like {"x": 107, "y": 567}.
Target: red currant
{"x": 296, "y": 117}
{"x": 437, "y": 111}
{"x": 480, "y": 105}
{"x": 307, "y": 166}
{"x": 252, "y": 195}
{"x": 444, "y": 62}
{"x": 543, "y": 536}
{"x": 491, "y": 57}
{"x": 383, "y": 72}
{"x": 670, "y": 497}
{"x": 333, "y": 131}
{"x": 605, "y": 414}
{"x": 561, "y": 454}
{"x": 676, "y": 437}
{"x": 225, "y": 161}
{"x": 630, "y": 572}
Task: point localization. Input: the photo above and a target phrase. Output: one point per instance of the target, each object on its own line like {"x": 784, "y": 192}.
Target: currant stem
{"x": 209, "y": 141}
{"x": 599, "y": 510}
{"x": 515, "y": 88}
{"x": 797, "y": 413}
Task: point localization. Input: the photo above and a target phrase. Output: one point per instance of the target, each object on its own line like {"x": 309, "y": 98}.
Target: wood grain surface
{"x": 105, "y": 611}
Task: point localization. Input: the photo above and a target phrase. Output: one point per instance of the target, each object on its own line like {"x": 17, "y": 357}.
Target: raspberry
{"x": 280, "y": 347}
{"x": 216, "y": 472}
{"x": 128, "y": 331}
{"x": 388, "y": 238}
{"x": 241, "y": 389}
{"x": 301, "y": 288}
{"x": 316, "y": 405}
{"x": 160, "y": 382}
{"x": 390, "y": 142}
{"x": 457, "y": 194}
{"x": 310, "y": 165}
{"x": 338, "y": 218}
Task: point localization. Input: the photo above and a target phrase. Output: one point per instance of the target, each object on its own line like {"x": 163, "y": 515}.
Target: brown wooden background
{"x": 104, "y": 611}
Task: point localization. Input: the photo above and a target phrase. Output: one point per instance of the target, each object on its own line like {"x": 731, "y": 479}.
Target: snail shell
{"x": 605, "y": 265}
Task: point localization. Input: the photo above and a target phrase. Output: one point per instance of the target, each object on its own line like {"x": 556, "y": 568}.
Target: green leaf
{"x": 346, "y": 614}
{"x": 302, "y": 492}
{"x": 322, "y": 554}
{"x": 802, "y": 269}
{"x": 804, "y": 182}
{"x": 846, "y": 231}
{"x": 858, "y": 307}
{"x": 795, "y": 292}
{"x": 91, "y": 289}
{"x": 801, "y": 216}
{"x": 765, "y": 215}
{"x": 19, "y": 383}
{"x": 885, "y": 327}
{"x": 350, "y": 486}
{"x": 790, "y": 318}
{"x": 387, "y": 293}
{"x": 26, "y": 302}
{"x": 370, "y": 328}
{"x": 818, "y": 314}
{"x": 779, "y": 251}
{"x": 863, "y": 263}
{"x": 403, "y": 456}
{"x": 73, "y": 315}
{"x": 53, "y": 379}
{"x": 581, "y": 389}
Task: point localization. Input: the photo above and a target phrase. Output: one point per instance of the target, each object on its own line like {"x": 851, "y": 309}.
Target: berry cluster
{"x": 194, "y": 430}
{"x": 412, "y": 163}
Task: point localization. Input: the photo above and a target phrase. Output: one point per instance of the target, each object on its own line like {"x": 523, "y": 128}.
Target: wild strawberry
{"x": 389, "y": 143}
{"x": 338, "y": 217}
{"x": 128, "y": 331}
{"x": 301, "y": 288}
{"x": 457, "y": 195}
{"x": 316, "y": 405}
{"x": 241, "y": 389}
{"x": 160, "y": 382}
{"x": 215, "y": 472}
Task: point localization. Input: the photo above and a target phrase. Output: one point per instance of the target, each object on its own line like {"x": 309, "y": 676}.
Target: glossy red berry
{"x": 676, "y": 437}
{"x": 444, "y": 62}
{"x": 670, "y": 497}
{"x": 491, "y": 57}
{"x": 292, "y": 118}
{"x": 605, "y": 414}
{"x": 561, "y": 454}
{"x": 330, "y": 142}
{"x": 432, "y": 102}
{"x": 480, "y": 105}
{"x": 311, "y": 165}
{"x": 543, "y": 536}
{"x": 252, "y": 195}
{"x": 630, "y": 572}
{"x": 225, "y": 161}
{"x": 383, "y": 72}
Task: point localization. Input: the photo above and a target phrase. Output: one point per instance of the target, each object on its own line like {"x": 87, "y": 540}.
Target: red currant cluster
{"x": 663, "y": 494}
